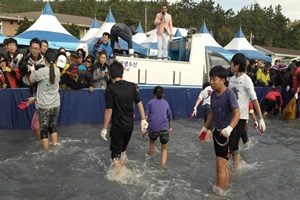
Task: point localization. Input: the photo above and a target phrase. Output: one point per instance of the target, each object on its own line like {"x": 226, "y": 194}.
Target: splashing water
{"x": 125, "y": 175}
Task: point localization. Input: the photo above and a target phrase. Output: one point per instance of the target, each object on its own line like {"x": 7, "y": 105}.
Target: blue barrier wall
{"x": 84, "y": 107}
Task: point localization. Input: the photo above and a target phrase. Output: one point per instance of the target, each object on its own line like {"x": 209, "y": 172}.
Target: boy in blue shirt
{"x": 225, "y": 113}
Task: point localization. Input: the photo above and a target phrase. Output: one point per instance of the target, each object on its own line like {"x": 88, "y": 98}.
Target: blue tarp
{"x": 84, "y": 107}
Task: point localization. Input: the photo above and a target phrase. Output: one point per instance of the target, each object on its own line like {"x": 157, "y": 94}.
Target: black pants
{"x": 116, "y": 32}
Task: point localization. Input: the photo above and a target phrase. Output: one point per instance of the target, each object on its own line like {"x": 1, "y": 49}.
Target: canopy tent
{"x": 212, "y": 45}
{"x": 177, "y": 34}
{"x": 182, "y": 31}
{"x": 140, "y": 36}
{"x": 106, "y": 26}
{"x": 47, "y": 27}
{"x": 151, "y": 42}
{"x": 239, "y": 44}
{"x": 92, "y": 31}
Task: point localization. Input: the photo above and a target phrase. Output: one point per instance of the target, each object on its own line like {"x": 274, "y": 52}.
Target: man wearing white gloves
{"x": 243, "y": 87}
{"x": 225, "y": 114}
{"x": 119, "y": 97}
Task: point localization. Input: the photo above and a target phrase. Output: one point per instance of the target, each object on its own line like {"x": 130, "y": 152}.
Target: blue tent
{"x": 47, "y": 27}
{"x": 177, "y": 34}
{"x": 239, "y": 44}
{"x": 92, "y": 31}
{"x": 140, "y": 36}
{"x": 211, "y": 44}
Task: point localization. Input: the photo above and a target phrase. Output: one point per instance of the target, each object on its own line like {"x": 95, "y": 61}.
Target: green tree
{"x": 73, "y": 29}
{"x": 24, "y": 26}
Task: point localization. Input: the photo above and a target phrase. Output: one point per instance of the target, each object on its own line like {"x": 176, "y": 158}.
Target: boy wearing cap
{"x": 119, "y": 97}
{"x": 125, "y": 32}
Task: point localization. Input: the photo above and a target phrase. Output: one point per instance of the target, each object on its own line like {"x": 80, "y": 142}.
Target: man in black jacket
{"x": 77, "y": 79}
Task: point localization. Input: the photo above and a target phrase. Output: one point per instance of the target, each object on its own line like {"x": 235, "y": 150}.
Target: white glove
{"x": 103, "y": 134}
{"x": 19, "y": 57}
{"x": 226, "y": 131}
{"x": 30, "y": 68}
{"x": 202, "y": 133}
{"x": 287, "y": 88}
{"x": 255, "y": 125}
{"x": 296, "y": 96}
{"x": 262, "y": 125}
{"x": 144, "y": 125}
{"x": 194, "y": 113}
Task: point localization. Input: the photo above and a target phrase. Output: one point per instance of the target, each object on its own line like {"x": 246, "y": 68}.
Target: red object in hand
{"x": 202, "y": 135}
{"x": 170, "y": 130}
{"x": 145, "y": 133}
{"x": 22, "y": 105}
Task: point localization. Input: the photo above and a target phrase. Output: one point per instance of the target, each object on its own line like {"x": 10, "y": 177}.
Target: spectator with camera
{"x": 103, "y": 44}
{"x": 31, "y": 60}
{"x": 100, "y": 70}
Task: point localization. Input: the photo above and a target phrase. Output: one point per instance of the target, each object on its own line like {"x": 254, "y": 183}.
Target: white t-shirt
{"x": 205, "y": 95}
{"x": 243, "y": 88}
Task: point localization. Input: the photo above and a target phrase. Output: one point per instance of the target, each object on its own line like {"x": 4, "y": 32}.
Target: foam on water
{"x": 126, "y": 176}
{"x": 250, "y": 144}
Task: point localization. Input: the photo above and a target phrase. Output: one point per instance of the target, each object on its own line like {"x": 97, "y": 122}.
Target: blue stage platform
{"x": 84, "y": 107}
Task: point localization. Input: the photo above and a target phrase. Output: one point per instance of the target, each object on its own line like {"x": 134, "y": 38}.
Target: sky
{"x": 289, "y": 7}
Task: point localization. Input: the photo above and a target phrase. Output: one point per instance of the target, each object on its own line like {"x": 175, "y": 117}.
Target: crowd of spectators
{"x": 77, "y": 69}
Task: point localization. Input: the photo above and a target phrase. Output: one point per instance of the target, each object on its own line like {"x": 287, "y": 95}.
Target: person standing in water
{"x": 119, "y": 97}
{"x": 225, "y": 113}
{"x": 159, "y": 117}
{"x": 48, "y": 97}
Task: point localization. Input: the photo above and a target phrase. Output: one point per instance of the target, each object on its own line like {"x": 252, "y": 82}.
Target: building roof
{"x": 276, "y": 50}
{"x": 62, "y": 18}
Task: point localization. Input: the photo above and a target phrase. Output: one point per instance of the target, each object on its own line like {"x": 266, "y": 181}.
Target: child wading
{"x": 225, "y": 113}
{"x": 159, "y": 116}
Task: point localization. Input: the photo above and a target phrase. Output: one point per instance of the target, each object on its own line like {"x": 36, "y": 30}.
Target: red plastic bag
{"x": 35, "y": 123}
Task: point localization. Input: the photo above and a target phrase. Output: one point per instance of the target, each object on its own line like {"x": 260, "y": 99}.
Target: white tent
{"x": 106, "y": 26}
{"x": 151, "y": 42}
{"x": 211, "y": 44}
{"x": 92, "y": 31}
{"x": 239, "y": 44}
{"x": 183, "y": 31}
{"x": 47, "y": 27}
{"x": 140, "y": 36}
